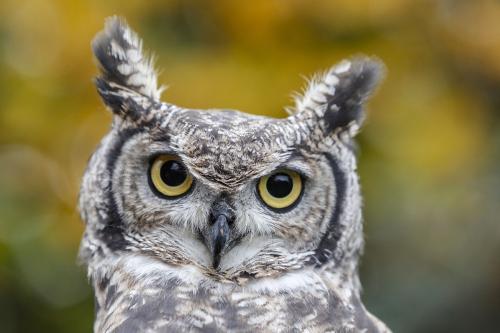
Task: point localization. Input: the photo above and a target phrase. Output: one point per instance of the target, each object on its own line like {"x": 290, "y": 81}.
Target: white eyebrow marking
{"x": 299, "y": 165}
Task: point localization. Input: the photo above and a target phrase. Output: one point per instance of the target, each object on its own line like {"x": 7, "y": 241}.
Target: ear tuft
{"x": 124, "y": 102}
{"x": 120, "y": 58}
{"x": 337, "y": 97}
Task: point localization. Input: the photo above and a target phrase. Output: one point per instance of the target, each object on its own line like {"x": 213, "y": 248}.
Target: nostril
{"x": 216, "y": 218}
{"x": 222, "y": 206}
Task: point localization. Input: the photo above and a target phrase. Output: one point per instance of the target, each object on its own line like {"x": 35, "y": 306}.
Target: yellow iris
{"x": 169, "y": 176}
{"x": 280, "y": 189}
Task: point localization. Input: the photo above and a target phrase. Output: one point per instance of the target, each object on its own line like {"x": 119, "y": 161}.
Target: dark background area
{"x": 429, "y": 153}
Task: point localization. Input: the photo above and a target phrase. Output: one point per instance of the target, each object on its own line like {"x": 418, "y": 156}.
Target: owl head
{"x": 237, "y": 196}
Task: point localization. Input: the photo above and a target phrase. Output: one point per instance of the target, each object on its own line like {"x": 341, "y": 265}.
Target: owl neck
{"x": 139, "y": 271}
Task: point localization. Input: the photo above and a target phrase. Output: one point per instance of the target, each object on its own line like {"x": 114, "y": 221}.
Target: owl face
{"x": 230, "y": 193}
{"x": 207, "y": 166}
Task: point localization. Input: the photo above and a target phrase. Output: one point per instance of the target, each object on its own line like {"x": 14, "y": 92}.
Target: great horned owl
{"x": 220, "y": 221}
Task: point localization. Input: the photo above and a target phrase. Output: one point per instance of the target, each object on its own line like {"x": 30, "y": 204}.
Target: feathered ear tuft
{"x": 336, "y": 98}
{"x": 125, "y": 70}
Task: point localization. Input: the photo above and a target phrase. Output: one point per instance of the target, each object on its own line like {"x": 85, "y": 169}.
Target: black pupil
{"x": 173, "y": 173}
{"x": 279, "y": 185}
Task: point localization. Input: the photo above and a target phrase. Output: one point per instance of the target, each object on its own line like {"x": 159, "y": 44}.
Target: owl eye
{"x": 280, "y": 189}
{"x": 169, "y": 176}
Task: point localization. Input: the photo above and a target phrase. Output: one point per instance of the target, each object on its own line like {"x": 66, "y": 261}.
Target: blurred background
{"x": 430, "y": 150}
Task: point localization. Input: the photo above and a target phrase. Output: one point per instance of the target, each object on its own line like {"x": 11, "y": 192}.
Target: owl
{"x": 220, "y": 221}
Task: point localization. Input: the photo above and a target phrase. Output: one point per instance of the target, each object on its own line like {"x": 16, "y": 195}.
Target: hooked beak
{"x": 219, "y": 234}
{"x": 218, "y": 237}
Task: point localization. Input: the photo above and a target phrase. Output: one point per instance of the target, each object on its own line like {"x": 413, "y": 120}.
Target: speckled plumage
{"x": 286, "y": 271}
